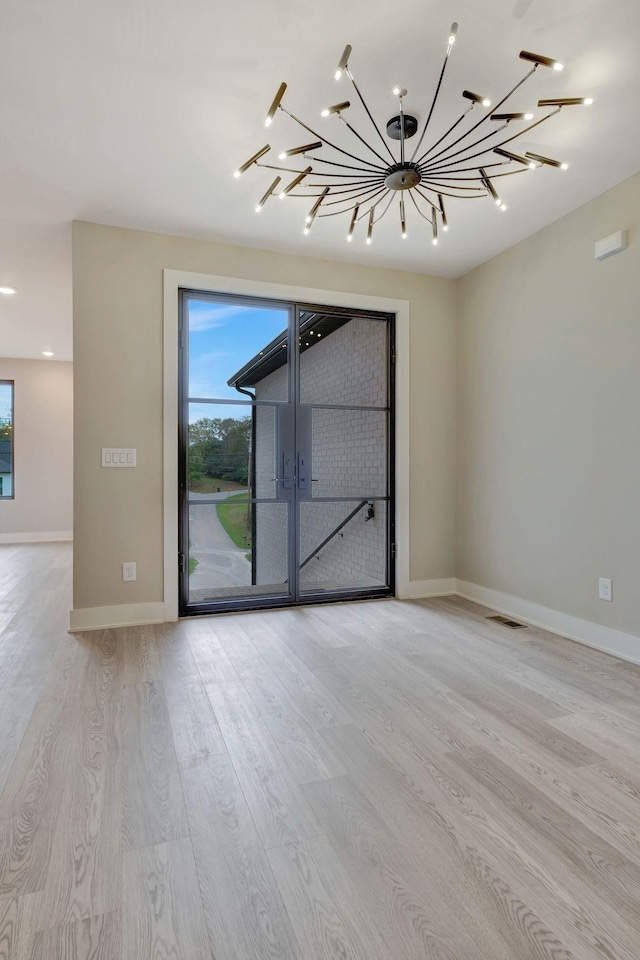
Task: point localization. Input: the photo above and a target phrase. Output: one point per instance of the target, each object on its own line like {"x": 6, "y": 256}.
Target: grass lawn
{"x": 234, "y": 514}
{"x": 213, "y": 485}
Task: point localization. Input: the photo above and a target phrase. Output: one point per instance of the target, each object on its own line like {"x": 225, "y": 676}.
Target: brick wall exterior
{"x": 349, "y": 457}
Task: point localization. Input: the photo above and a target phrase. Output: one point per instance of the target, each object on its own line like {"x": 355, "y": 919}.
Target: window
{"x": 6, "y": 439}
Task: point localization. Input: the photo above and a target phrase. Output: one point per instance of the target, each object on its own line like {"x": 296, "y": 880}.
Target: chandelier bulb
{"x": 336, "y": 108}
{"x": 344, "y": 61}
{"x": 564, "y": 166}
{"x": 274, "y": 105}
{"x": 588, "y": 101}
{"x": 251, "y": 161}
{"x": 354, "y": 218}
{"x": 453, "y": 32}
{"x": 476, "y": 98}
{"x": 528, "y": 116}
{"x": 368, "y": 240}
{"x": 540, "y": 61}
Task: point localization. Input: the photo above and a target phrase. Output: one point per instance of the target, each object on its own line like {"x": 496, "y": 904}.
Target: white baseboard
{"x": 125, "y": 615}
{"x": 46, "y": 537}
{"x": 625, "y": 646}
{"x": 421, "y": 589}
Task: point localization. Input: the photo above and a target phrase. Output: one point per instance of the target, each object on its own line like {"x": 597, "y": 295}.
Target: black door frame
{"x": 293, "y": 596}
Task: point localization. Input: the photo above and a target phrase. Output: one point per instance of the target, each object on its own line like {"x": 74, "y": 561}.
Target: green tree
{"x": 220, "y": 447}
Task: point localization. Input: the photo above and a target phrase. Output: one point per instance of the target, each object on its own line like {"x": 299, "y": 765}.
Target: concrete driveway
{"x": 220, "y": 563}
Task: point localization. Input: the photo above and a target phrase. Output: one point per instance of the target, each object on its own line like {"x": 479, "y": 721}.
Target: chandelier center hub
{"x": 402, "y": 176}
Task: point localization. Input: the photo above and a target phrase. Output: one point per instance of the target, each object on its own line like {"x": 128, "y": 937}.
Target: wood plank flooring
{"x": 367, "y": 781}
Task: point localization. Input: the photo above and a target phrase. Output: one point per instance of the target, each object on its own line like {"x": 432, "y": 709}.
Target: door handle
{"x": 303, "y": 475}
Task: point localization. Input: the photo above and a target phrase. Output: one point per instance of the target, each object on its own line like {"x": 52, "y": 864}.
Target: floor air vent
{"x": 512, "y": 624}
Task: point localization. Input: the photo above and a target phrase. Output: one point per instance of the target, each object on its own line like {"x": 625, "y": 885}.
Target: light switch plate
{"x": 118, "y": 457}
{"x": 614, "y": 243}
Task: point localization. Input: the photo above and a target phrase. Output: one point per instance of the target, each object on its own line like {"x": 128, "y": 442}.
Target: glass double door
{"x": 286, "y": 453}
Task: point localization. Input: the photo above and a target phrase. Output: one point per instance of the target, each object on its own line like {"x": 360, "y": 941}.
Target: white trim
{"x": 626, "y": 646}
{"x": 45, "y": 537}
{"x": 173, "y": 281}
{"x": 421, "y": 589}
{"x": 125, "y": 615}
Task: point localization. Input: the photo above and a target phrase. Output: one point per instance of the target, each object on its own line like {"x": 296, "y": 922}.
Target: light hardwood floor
{"x": 370, "y": 781}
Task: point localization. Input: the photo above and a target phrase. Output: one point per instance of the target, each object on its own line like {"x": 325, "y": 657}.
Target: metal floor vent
{"x": 512, "y": 624}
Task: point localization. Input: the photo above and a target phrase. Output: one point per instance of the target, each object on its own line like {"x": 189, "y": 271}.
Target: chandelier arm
{"x": 363, "y": 183}
{"x": 353, "y": 196}
{"x": 388, "y": 206}
{"x": 270, "y": 166}
{"x": 459, "y": 196}
{"x": 349, "y": 189}
{"x": 433, "y": 105}
{"x": 526, "y": 130}
{"x": 469, "y": 147}
{"x": 366, "y": 213}
{"x": 413, "y": 199}
{"x": 494, "y": 176}
{"x": 347, "y": 166}
{"x": 433, "y": 173}
{"x": 502, "y": 142}
{"x": 434, "y": 184}
{"x": 330, "y": 144}
{"x": 337, "y": 213}
{"x": 486, "y": 117}
{"x": 375, "y": 125}
{"x": 445, "y": 135}
{"x": 361, "y": 139}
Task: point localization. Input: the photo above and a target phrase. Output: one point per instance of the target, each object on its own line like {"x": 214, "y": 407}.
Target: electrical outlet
{"x": 605, "y": 589}
{"x": 128, "y": 571}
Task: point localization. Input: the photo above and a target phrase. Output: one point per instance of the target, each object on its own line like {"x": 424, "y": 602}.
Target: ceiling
{"x": 136, "y": 112}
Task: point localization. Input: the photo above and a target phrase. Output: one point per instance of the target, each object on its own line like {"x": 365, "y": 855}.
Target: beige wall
{"x": 43, "y": 425}
{"x": 549, "y": 417}
{"x": 117, "y": 289}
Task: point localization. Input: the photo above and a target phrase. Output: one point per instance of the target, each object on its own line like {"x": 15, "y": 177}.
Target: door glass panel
{"x": 348, "y": 453}
{"x": 220, "y": 450}
{"x": 343, "y": 360}
{"x": 232, "y": 345}
{"x": 237, "y": 549}
{"x": 335, "y": 555}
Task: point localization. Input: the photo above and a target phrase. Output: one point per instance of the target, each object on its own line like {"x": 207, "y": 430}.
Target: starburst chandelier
{"x": 466, "y": 162}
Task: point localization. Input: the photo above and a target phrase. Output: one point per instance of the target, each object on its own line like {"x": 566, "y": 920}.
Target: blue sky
{"x": 5, "y": 401}
{"x": 222, "y": 338}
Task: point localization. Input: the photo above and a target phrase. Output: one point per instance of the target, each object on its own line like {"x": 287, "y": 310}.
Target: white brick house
{"x": 345, "y": 364}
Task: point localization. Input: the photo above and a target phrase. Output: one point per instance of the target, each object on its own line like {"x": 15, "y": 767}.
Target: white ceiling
{"x": 135, "y": 113}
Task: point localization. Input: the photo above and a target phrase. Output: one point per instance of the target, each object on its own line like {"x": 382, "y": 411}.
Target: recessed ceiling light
{"x": 8, "y": 291}
{"x": 47, "y": 353}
